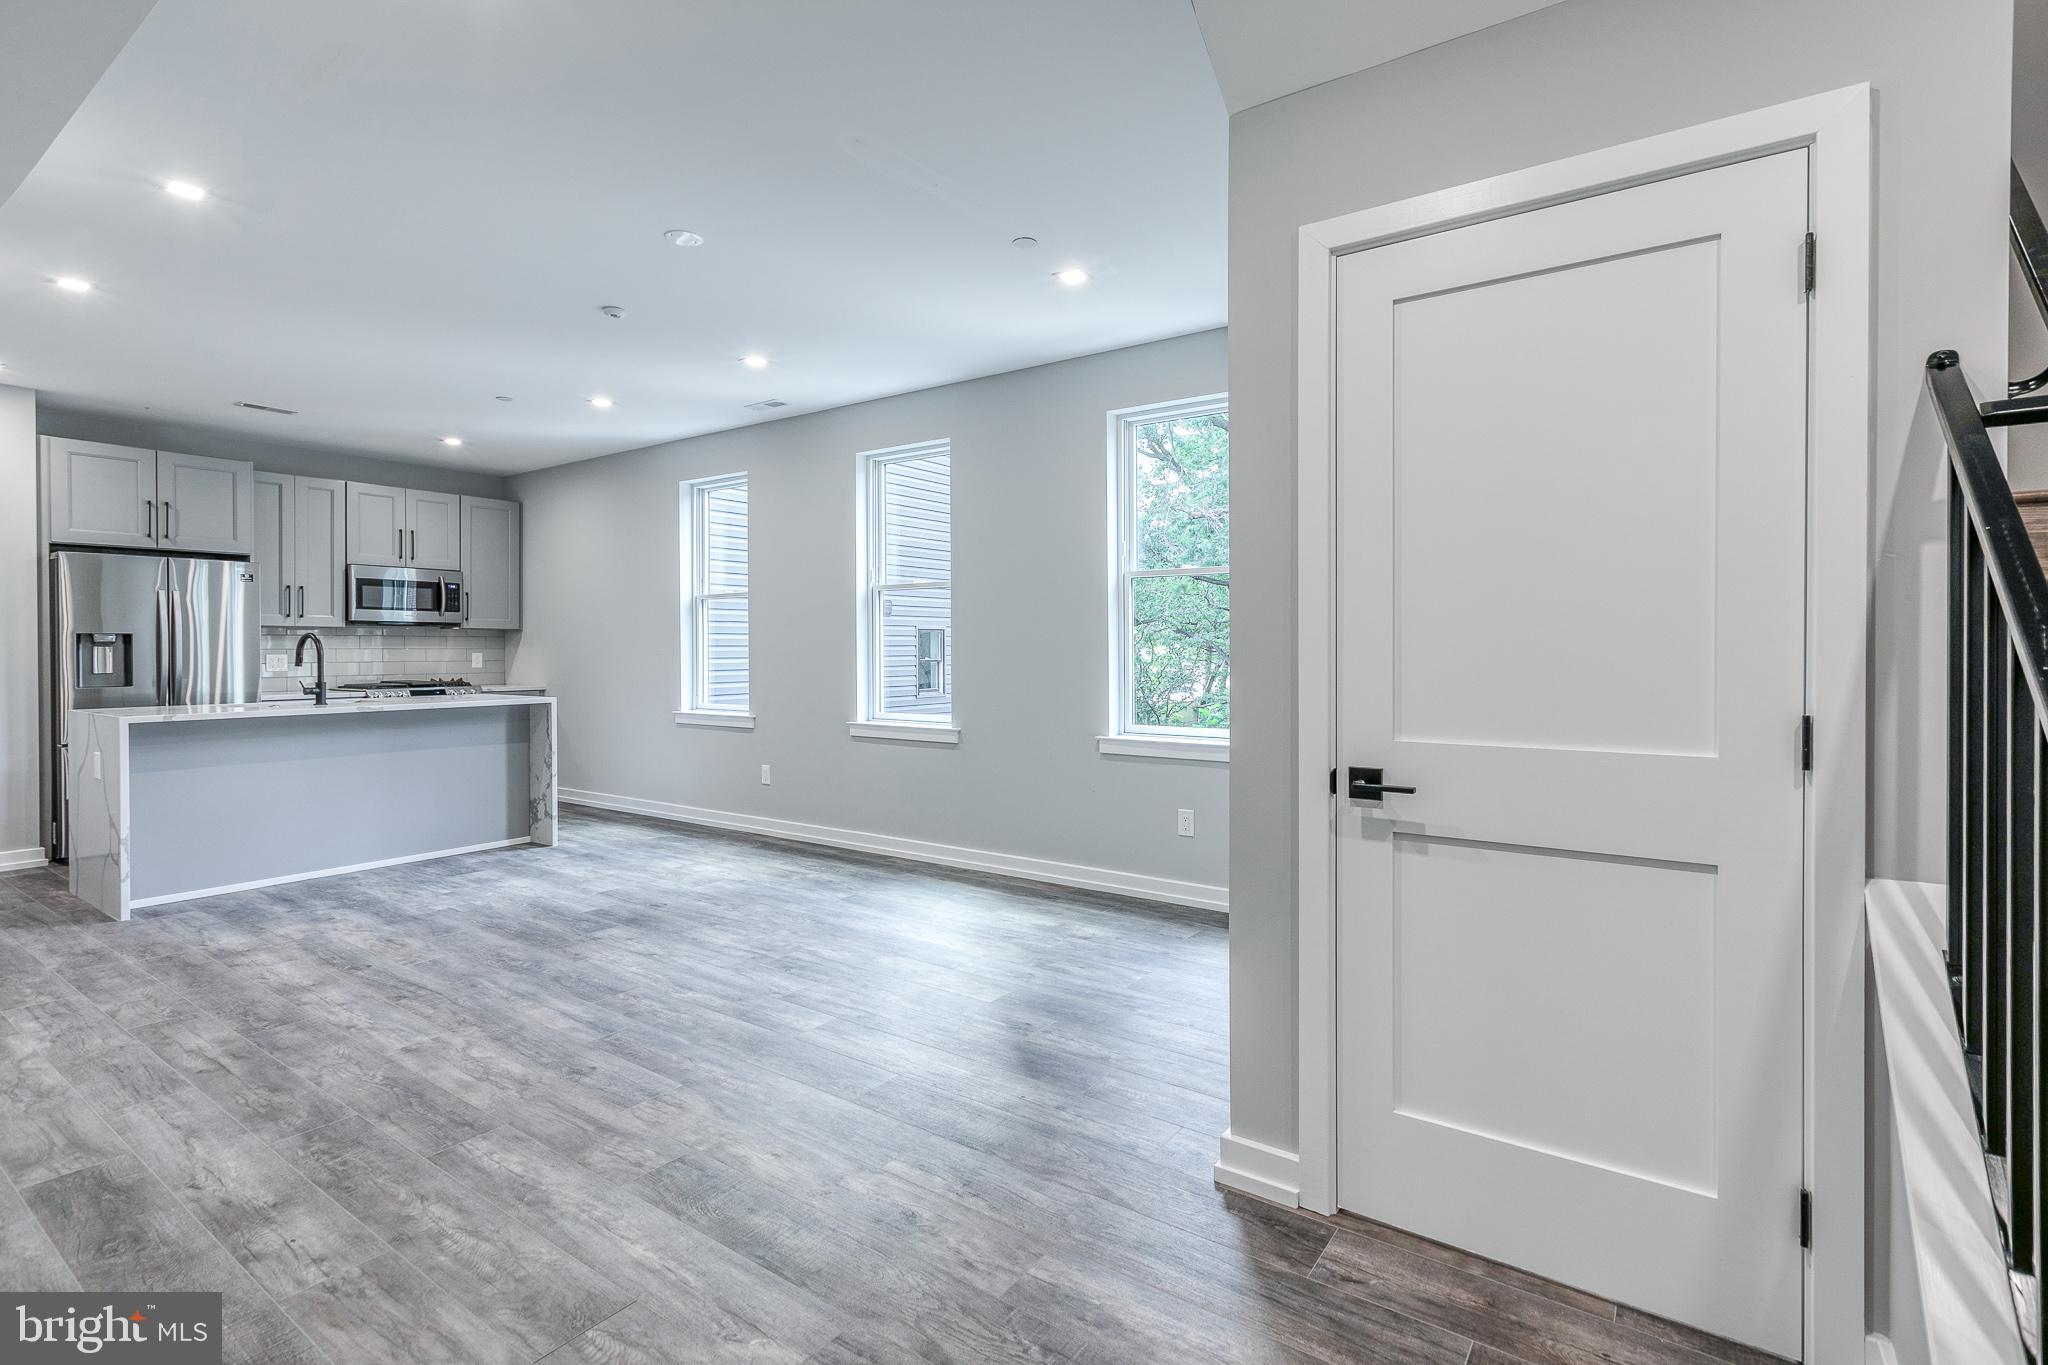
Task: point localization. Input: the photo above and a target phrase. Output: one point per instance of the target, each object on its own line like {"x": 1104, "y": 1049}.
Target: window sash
{"x": 874, "y": 664}
{"x": 1125, "y": 701}
{"x": 697, "y": 690}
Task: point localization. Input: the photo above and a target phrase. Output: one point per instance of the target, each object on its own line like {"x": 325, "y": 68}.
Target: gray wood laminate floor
{"x": 665, "y": 1095}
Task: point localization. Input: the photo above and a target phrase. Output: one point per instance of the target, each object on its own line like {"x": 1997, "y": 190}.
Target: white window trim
{"x": 716, "y": 720}
{"x": 1174, "y": 746}
{"x": 692, "y": 708}
{"x": 914, "y": 731}
{"x": 867, "y": 549}
{"x": 1125, "y": 736}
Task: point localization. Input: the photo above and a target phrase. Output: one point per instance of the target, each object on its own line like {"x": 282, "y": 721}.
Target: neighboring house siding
{"x": 725, "y": 619}
{"x": 917, "y": 535}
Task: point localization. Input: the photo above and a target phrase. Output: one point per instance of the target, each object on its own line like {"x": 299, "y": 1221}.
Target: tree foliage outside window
{"x": 1174, "y": 545}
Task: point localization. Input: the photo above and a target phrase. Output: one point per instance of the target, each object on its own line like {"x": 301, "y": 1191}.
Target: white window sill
{"x": 1165, "y": 746}
{"x": 914, "y": 731}
{"x": 716, "y": 720}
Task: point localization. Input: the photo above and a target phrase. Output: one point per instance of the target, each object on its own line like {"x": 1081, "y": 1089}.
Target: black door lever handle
{"x": 1366, "y": 784}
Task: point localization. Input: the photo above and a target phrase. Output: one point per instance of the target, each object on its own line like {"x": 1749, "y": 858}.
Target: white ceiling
{"x": 419, "y": 206}
{"x": 1264, "y": 49}
{"x": 55, "y": 50}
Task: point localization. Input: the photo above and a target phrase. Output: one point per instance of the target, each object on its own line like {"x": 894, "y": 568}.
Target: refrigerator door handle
{"x": 163, "y": 647}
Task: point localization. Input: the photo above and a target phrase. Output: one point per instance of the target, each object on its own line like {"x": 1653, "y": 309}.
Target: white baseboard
{"x": 1255, "y": 1168}
{"x": 1197, "y": 894}
{"x": 262, "y": 882}
{"x": 16, "y": 859}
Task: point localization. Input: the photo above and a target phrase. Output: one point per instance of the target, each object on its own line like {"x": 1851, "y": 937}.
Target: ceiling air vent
{"x": 265, "y": 407}
{"x": 766, "y": 405}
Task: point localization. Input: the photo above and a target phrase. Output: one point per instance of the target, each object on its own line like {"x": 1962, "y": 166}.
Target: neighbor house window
{"x": 1172, "y": 605}
{"x": 715, "y": 591}
{"x": 907, "y": 658}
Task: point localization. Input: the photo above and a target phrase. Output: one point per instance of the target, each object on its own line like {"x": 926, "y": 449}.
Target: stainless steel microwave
{"x": 383, "y": 594}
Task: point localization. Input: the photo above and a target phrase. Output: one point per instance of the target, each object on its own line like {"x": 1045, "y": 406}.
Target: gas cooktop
{"x": 411, "y": 687}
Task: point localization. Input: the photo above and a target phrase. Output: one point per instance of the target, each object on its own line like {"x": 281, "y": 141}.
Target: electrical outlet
{"x": 1187, "y": 824}
{"x": 476, "y": 658}
{"x": 764, "y": 775}
{"x": 276, "y": 663}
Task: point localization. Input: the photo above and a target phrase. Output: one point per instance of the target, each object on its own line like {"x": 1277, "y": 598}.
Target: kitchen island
{"x": 172, "y": 803}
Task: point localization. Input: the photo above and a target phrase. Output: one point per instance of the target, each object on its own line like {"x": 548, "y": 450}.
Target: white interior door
{"x": 1570, "y": 613}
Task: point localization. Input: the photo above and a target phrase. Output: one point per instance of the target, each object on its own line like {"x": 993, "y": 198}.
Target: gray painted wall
{"x": 276, "y": 457}
{"x": 1031, "y": 602}
{"x": 20, "y": 804}
{"x": 1580, "y": 76}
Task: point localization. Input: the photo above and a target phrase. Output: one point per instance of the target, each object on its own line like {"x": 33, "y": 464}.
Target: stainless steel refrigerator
{"x": 144, "y": 630}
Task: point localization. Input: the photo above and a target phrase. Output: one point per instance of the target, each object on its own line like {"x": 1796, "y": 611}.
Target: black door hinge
{"x": 1333, "y": 781}
{"x": 1808, "y": 271}
{"x": 1806, "y": 1219}
{"x": 1806, "y": 744}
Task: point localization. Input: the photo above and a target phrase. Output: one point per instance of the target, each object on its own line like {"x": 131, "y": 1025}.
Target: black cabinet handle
{"x": 302, "y": 600}
{"x": 1367, "y": 784}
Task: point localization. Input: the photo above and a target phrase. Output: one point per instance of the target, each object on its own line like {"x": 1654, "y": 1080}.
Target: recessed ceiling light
{"x": 1023, "y": 243}
{"x": 754, "y": 362}
{"x": 683, "y": 237}
{"x": 600, "y": 401}
{"x": 504, "y": 398}
{"x": 451, "y": 440}
{"x": 184, "y": 189}
{"x": 73, "y": 284}
{"x": 1072, "y": 277}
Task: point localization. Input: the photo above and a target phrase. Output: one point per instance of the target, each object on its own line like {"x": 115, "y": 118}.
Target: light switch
{"x": 476, "y": 658}
{"x": 276, "y": 663}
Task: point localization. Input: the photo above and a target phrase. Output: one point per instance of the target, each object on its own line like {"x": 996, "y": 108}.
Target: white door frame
{"x": 1836, "y": 129}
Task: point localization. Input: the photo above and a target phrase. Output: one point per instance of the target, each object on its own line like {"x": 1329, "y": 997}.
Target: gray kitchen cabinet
{"x": 490, "y": 563}
{"x": 433, "y": 530}
{"x": 207, "y": 505}
{"x": 320, "y": 594}
{"x": 376, "y": 524}
{"x": 300, "y": 542}
{"x": 277, "y": 556}
{"x": 98, "y": 494}
{"x": 404, "y": 526}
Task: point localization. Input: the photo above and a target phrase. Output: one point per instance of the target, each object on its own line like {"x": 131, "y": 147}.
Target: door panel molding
{"x": 1836, "y": 128}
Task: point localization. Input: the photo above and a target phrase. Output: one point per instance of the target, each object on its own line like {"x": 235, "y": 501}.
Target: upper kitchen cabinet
{"x": 433, "y": 530}
{"x": 320, "y": 594}
{"x": 97, "y": 494}
{"x": 490, "y": 563}
{"x": 376, "y": 524}
{"x": 300, "y": 541}
{"x": 403, "y": 526}
{"x": 277, "y": 556}
{"x": 209, "y": 505}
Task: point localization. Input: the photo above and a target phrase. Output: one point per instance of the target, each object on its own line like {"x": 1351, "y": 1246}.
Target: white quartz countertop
{"x": 336, "y": 707}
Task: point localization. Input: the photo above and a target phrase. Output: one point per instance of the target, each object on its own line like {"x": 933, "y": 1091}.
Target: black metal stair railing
{"x": 1997, "y": 819}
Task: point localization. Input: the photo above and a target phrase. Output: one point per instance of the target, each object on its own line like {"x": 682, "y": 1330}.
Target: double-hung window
{"x": 1172, "y": 592}
{"x": 716, "y": 687}
{"x": 907, "y": 610}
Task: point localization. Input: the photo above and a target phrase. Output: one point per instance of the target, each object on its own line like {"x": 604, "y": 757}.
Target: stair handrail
{"x": 2030, "y": 251}
{"x": 2013, "y": 565}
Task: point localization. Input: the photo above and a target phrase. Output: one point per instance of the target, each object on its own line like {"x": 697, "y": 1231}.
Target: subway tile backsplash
{"x": 367, "y": 653}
